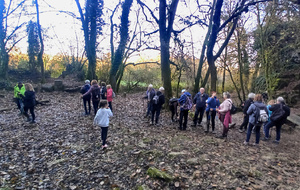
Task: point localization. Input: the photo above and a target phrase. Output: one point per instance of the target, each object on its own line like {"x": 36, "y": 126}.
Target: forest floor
{"x": 63, "y": 151}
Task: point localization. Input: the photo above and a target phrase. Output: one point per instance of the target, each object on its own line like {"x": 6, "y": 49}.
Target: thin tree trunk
{"x": 224, "y": 70}
{"x": 240, "y": 64}
{"x": 235, "y": 86}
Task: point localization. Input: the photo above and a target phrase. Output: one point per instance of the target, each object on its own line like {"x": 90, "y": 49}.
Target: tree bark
{"x": 240, "y": 64}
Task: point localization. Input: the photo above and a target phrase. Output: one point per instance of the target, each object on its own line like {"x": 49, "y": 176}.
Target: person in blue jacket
{"x": 183, "y": 110}
{"x": 212, "y": 103}
{"x": 200, "y": 104}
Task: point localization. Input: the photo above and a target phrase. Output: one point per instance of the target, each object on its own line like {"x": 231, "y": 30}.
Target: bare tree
{"x": 40, "y": 54}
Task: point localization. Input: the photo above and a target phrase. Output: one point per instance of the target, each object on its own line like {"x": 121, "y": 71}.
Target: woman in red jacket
{"x": 109, "y": 96}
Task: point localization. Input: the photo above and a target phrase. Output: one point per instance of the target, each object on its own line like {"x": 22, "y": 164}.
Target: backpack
{"x": 156, "y": 98}
{"x": 233, "y": 109}
{"x": 96, "y": 93}
{"x": 278, "y": 114}
{"x": 261, "y": 116}
{"x": 113, "y": 95}
{"x": 188, "y": 104}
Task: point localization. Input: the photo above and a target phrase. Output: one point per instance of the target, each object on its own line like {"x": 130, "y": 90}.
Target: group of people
{"x": 24, "y": 96}
{"x": 256, "y": 113}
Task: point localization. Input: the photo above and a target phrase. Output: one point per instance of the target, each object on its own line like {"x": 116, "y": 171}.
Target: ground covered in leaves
{"x": 63, "y": 151}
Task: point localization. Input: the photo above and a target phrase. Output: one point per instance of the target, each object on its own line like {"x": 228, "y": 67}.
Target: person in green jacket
{"x": 19, "y": 90}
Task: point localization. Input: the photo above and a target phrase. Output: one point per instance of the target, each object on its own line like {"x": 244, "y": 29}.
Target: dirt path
{"x": 62, "y": 151}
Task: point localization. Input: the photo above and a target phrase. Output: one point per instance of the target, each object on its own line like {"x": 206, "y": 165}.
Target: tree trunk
{"x": 235, "y": 86}
{"x": 224, "y": 70}
{"x": 40, "y": 54}
{"x": 3, "y": 54}
{"x": 240, "y": 64}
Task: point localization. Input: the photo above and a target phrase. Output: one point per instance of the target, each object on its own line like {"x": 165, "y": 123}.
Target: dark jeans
{"x": 95, "y": 105}
{"x": 173, "y": 109}
{"x": 157, "y": 111}
{"x": 211, "y": 115}
{"x": 257, "y": 132}
{"x": 201, "y": 111}
{"x": 149, "y": 108}
{"x": 87, "y": 100}
{"x": 31, "y": 112}
{"x": 110, "y": 105}
{"x": 245, "y": 122}
{"x": 183, "y": 115}
{"x": 278, "y": 129}
{"x": 104, "y": 135}
{"x": 20, "y": 104}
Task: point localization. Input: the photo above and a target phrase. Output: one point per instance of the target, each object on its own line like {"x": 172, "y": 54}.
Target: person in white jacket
{"x": 102, "y": 120}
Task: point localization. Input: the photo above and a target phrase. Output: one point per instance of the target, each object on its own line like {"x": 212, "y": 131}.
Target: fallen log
{"x": 295, "y": 119}
{"x": 5, "y": 109}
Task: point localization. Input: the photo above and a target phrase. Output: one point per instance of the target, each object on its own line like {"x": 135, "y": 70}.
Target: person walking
{"x": 102, "y": 120}
{"x": 29, "y": 102}
{"x": 94, "y": 91}
{"x": 109, "y": 96}
{"x": 173, "y": 103}
{"x": 185, "y": 102}
{"x": 103, "y": 91}
{"x": 158, "y": 102}
{"x": 255, "y": 115}
{"x": 87, "y": 99}
{"x": 149, "y": 96}
{"x": 280, "y": 112}
{"x": 200, "y": 104}
{"x": 224, "y": 114}
{"x": 247, "y": 104}
{"x": 212, "y": 104}
{"x": 19, "y": 90}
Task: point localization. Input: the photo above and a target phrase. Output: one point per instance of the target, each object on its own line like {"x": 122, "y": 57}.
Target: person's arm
{"x": 195, "y": 99}
{"x": 273, "y": 107}
{"x": 250, "y": 109}
{"x": 109, "y": 112}
{"x": 88, "y": 92}
{"x": 181, "y": 99}
{"x": 15, "y": 92}
{"x": 162, "y": 99}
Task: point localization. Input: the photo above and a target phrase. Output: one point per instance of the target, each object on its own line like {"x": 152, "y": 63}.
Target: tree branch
{"x": 142, "y": 63}
{"x": 151, "y": 12}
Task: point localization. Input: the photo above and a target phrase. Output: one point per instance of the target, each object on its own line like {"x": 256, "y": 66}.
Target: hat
{"x": 161, "y": 89}
{"x": 150, "y": 86}
{"x": 183, "y": 90}
{"x": 87, "y": 82}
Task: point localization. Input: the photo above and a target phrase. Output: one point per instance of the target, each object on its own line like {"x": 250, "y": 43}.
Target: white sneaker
{"x": 246, "y": 143}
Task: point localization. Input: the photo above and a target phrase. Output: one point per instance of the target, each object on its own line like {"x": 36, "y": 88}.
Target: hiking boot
{"x": 213, "y": 132}
{"x": 193, "y": 125}
{"x": 246, "y": 143}
{"x": 255, "y": 144}
{"x": 28, "y": 119}
{"x": 151, "y": 123}
{"x": 265, "y": 139}
{"x": 199, "y": 124}
{"x": 275, "y": 142}
{"x": 221, "y": 137}
{"x": 241, "y": 130}
{"x": 32, "y": 122}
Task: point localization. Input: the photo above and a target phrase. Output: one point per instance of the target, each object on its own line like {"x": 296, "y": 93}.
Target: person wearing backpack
{"x": 94, "y": 91}
{"x": 86, "y": 99}
{"x": 173, "y": 103}
{"x": 258, "y": 115}
{"x": 212, "y": 104}
{"x": 247, "y": 104}
{"x": 185, "y": 102}
{"x": 149, "y": 96}
{"x": 109, "y": 96}
{"x": 200, "y": 104}
{"x": 103, "y": 91}
{"x": 280, "y": 112}
{"x": 224, "y": 114}
{"x": 29, "y": 102}
{"x": 158, "y": 101}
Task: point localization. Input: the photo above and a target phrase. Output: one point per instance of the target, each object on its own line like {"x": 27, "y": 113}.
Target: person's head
{"x": 150, "y": 87}
{"x": 213, "y": 93}
{"x": 87, "y": 82}
{"x": 103, "y": 84}
{"x": 108, "y": 86}
{"x": 226, "y": 95}
{"x": 251, "y": 95}
{"x": 271, "y": 102}
{"x": 258, "y": 98}
{"x": 103, "y": 104}
{"x": 161, "y": 89}
{"x": 202, "y": 90}
{"x": 20, "y": 84}
{"x": 94, "y": 82}
{"x": 183, "y": 91}
{"x": 280, "y": 100}
{"x": 28, "y": 87}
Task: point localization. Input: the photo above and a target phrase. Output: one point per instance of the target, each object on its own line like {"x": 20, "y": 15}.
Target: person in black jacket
{"x": 103, "y": 91}
{"x": 87, "y": 98}
{"x": 200, "y": 103}
{"x": 29, "y": 102}
{"x": 247, "y": 104}
{"x": 280, "y": 112}
{"x": 157, "y": 105}
{"x": 173, "y": 104}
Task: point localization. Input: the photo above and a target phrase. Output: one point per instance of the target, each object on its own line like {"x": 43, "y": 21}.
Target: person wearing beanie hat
{"x": 86, "y": 99}
{"x": 158, "y": 101}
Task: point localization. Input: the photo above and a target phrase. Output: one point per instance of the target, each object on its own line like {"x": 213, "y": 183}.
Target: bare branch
{"x": 151, "y": 12}
{"x": 142, "y": 63}
{"x": 13, "y": 45}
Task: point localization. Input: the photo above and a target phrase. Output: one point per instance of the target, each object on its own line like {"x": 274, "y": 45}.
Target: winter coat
{"x": 252, "y": 111}
{"x": 161, "y": 100}
{"x": 89, "y": 92}
{"x": 18, "y": 91}
{"x": 103, "y": 92}
{"x": 200, "y": 100}
{"x": 247, "y": 105}
{"x": 212, "y": 103}
{"x": 225, "y": 107}
{"x": 150, "y": 94}
{"x": 109, "y": 95}
{"x": 102, "y": 117}
{"x": 29, "y": 99}
{"x": 276, "y": 107}
{"x": 85, "y": 89}
{"x": 182, "y": 99}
